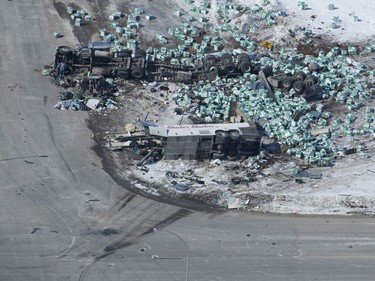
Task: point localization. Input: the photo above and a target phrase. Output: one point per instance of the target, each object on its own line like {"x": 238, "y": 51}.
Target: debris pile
{"x": 88, "y": 93}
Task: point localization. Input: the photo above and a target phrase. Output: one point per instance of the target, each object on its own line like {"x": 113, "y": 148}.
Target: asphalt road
{"x": 63, "y": 218}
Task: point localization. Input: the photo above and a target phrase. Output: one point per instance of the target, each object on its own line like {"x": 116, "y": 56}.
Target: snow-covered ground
{"x": 355, "y": 18}
{"x": 346, "y": 188}
{"x": 356, "y": 21}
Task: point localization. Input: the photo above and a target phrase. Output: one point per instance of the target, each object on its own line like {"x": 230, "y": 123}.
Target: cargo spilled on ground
{"x": 312, "y": 110}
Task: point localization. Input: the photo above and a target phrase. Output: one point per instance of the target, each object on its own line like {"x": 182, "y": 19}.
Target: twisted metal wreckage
{"x": 127, "y": 64}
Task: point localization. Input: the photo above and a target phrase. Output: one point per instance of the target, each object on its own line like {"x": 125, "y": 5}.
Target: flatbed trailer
{"x": 130, "y": 64}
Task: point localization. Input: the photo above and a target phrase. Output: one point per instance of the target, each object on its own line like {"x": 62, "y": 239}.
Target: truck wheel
{"x": 299, "y": 87}
{"x": 221, "y": 133}
{"x": 210, "y": 59}
{"x": 245, "y": 67}
{"x": 287, "y": 83}
{"x": 123, "y": 73}
{"x": 300, "y": 76}
{"x": 311, "y": 80}
{"x": 221, "y": 137}
{"x": 64, "y": 50}
{"x": 212, "y": 68}
{"x": 243, "y": 58}
{"x": 137, "y": 72}
{"x": 235, "y": 135}
{"x": 230, "y": 67}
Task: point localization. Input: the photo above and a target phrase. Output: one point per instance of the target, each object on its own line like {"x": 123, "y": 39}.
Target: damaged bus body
{"x": 229, "y": 141}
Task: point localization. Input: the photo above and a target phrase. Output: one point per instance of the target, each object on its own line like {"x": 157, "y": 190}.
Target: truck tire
{"x": 243, "y": 58}
{"x": 246, "y": 67}
{"x": 212, "y": 68}
{"x": 230, "y": 67}
{"x": 299, "y": 87}
{"x": 137, "y": 72}
{"x": 221, "y": 137}
{"x": 311, "y": 80}
{"x": 210, "y": 59}
{"x": 64, "y": 50}
{"x": 287, "y": 83}
{"x": 235, "y": 135}
{"x": 123, "y": 73}
{"x": 300, "y": 76}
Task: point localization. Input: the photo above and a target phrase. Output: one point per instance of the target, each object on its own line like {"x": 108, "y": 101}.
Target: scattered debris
{"x": 291, "y": 97}
{"x": 92, "y": 103}
{"x": 57, "y": 35}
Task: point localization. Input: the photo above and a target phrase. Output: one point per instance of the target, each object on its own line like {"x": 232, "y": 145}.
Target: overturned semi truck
{"x": 129, "y": 64}
{"x": 103, "y": 58}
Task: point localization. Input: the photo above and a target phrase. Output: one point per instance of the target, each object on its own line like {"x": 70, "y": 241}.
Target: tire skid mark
{"x": 124, "y": 201}
{"x": 127, "y": 200}
{"x": 78, "y": 251}
{"x": 132, "y": 237}
{"x": 127, "y": 240}
{"x": 63, "y": 254}
{"x": 111, "y": 213}
{"x": 8, "y": 272}
{"x": 170, "y": 219}
{"x": 52, "y": 210}
{"x": 52, "y": 137}
{"x": 83, "y": 274}
{"x": 136, "y": 209}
